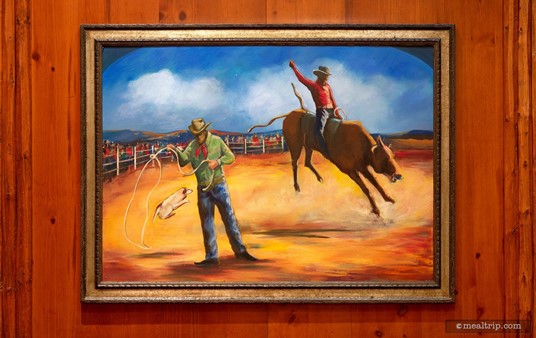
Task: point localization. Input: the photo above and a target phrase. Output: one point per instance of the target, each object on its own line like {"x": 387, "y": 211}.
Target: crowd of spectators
{"x": 254, "y": 143}
{"x": 112, "y": 151}
{"x": 253, "y": 139}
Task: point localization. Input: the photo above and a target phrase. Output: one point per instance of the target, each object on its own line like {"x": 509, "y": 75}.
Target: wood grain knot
{"x": 292, "y": 319}
{"x": 402, "y": 310}
{"x": 479, "y": 312}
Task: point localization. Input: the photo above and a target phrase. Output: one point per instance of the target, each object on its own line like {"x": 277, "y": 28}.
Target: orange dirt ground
{"x": 324, "y": 233}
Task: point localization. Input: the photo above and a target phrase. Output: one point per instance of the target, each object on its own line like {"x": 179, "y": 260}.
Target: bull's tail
{"x": 267, "y": 124}
{"x": 298, "y": 96}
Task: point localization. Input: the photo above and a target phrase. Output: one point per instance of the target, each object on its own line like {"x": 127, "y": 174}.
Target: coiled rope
{"x": 154, "y": 157}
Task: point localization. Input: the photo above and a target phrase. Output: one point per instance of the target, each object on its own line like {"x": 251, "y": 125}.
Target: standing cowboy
{"x": 324, "y": 101}
{"x": 212, "y": 190}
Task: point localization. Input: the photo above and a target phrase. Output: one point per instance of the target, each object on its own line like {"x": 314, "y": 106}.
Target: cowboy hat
{"x": 322, "y": 70}
{"x": 198, "y": 126}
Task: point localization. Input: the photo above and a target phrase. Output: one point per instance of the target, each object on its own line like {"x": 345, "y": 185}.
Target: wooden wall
{"x": 40, "y": 172}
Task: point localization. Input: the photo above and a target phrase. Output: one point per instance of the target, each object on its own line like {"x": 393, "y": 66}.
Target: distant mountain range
{"x": 127, "y": 136}
{"x": 412, "y": 134}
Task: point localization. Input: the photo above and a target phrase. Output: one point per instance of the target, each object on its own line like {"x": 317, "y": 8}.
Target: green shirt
{"x": 217, "y": 150}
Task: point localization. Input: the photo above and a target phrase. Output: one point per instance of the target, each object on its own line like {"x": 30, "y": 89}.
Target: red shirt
{"x": 322, "y": 94}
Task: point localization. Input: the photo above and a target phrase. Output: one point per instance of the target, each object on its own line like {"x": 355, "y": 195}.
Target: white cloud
{"x": 158, "y": 99}
{"x": 370, "y": 99}
{"x": 269, "y": 94}
{"x": 164, "y": 101}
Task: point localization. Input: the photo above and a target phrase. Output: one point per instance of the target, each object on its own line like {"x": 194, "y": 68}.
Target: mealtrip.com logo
{"x": 487, "y": 326}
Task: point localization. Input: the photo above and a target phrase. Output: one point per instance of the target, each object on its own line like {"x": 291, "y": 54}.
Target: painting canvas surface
{"x": 326, "y": 232}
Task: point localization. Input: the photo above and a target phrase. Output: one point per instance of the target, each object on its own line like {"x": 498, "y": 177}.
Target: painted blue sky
{"x": 162, "y": 89}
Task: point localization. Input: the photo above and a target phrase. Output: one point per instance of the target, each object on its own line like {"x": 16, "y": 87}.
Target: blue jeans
{"x": 218, "y": 196}
{"x": 322, "y": 116}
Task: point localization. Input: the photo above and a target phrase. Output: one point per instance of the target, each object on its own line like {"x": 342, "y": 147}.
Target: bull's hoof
{"x": 319, "y": 179}
{"x": 389, "y": 199}
{"x": 297, "y": 188}
{"x": 376, "y": 211}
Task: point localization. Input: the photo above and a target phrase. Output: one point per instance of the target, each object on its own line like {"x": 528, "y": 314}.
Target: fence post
{"x": 245, "y": 145}
{"x": 282, "y": 143}
{"x": 135, "y": 158}
{"x": 263, "y": 146}
{"x": 152, "y": 152}
{"x": 117, "y": 159}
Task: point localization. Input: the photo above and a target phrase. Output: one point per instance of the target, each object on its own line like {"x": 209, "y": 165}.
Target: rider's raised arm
{"x": 305, "y": 81}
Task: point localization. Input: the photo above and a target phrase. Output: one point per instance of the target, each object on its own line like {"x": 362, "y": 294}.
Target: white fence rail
{"x": 260, "y": 146}
{"x": 118, "y": 161}
{"x": 132, "y": 158}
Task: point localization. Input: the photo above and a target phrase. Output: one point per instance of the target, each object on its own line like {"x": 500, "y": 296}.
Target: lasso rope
{"x": 344, "y": 112}
{"x": 154, "y": 157}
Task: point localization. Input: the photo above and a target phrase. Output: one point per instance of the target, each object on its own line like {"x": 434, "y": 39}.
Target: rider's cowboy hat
{"x": 321, "y": 70}
{"x": 198, "y": 126}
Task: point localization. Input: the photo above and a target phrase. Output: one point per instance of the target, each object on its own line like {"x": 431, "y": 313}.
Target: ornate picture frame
{"x": 290, "y": 233}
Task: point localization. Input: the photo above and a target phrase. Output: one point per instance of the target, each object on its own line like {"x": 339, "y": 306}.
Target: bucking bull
{"x": 351, "y": 147}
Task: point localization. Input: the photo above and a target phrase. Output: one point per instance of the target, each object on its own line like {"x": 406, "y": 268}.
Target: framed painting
{"x": 267, "y": 163}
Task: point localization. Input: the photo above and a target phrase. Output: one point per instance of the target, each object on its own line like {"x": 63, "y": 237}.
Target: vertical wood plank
{"x": 483, "y": 52}
{"x": 24, "y": 168}
{"x": 55, "y": 141}
{"x": 526, "y": 187}
{"x": 531, "y": 252}
{"x": 7, "y": 169}
{"x": 511, "y": 241}
{"x": 16, "y": 169}
{"x": 519, "y": 173}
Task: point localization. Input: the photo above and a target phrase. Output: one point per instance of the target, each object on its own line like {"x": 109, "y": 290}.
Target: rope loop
{"x": 154, "y": 157}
